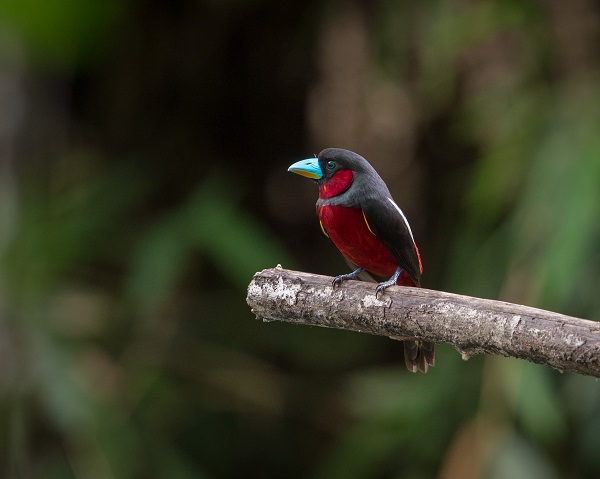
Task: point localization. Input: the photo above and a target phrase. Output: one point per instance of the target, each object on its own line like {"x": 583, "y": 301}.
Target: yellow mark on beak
{"x": 306, "y": 174}
{"x": 367, "y": 223}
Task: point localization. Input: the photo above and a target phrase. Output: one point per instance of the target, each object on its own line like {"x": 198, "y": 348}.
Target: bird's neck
{"x": 336, "y": 185}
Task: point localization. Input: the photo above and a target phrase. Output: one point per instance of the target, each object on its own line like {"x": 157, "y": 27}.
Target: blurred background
{"x": 143, "y": 155}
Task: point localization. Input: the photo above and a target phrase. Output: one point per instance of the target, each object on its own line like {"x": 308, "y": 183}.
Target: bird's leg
{"x": 343, "y": 277}
{"x": 381, "y": 287}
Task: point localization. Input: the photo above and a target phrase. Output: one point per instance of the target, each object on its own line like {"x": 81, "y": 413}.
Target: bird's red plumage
{"x": 354, "y": 203}
{"x": 338, "y": 183}
{"x": 348, "y": 230}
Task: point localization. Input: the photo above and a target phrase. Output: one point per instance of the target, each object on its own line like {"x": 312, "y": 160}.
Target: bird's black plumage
{"x": 391, "y": 229}
{"x": 364, "y": 190}
{"x": 370, "y": 193}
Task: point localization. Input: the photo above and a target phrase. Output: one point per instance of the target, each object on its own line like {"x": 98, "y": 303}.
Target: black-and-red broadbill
{"x": 358, "y": 214}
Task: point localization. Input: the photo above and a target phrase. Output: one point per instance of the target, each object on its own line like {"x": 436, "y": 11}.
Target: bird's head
{"x": 334, "y": 170}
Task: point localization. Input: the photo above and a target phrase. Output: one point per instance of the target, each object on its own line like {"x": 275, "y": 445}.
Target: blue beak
{"x": 309, "y": 168}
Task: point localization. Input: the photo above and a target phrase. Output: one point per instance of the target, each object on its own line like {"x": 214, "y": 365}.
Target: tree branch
{"x": 471, "y": 325}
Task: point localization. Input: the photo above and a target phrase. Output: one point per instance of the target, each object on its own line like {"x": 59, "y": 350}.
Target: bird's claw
{"x": 381, "y": 287}
{"x": 337, "y": 281}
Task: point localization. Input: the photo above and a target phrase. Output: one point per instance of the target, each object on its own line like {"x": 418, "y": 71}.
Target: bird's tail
{"x": 419, "y": 355}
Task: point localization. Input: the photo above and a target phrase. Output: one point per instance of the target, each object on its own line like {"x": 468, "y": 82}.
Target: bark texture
{"x": 471, "y": 325}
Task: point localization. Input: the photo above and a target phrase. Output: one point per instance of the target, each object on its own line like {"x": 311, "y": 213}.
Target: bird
{"x": 357, "y": 213}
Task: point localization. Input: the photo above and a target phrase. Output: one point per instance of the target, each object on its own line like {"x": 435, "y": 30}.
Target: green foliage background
{"x": 142, "y": 183}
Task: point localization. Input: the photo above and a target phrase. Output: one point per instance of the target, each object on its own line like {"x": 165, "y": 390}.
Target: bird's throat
{"x": 336, "y": 185}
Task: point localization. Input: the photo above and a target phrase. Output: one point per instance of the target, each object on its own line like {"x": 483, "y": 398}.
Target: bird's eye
{"x": 331, "y": 165}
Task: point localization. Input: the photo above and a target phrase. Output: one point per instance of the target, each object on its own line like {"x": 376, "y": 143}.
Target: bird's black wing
{"x": 389, "y": 224}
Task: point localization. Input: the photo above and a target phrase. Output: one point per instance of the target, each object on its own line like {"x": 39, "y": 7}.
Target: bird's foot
{"x": 337, "y": 281}
{"x": 381, "y": 287}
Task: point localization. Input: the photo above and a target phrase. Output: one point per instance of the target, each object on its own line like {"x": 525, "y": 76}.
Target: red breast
{"x": 350, "y": 233}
